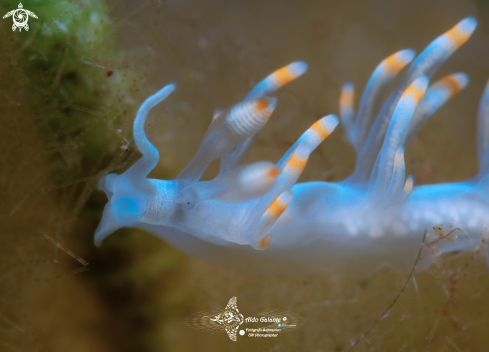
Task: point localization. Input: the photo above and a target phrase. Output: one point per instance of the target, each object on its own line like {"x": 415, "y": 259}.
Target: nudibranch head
{"x": 127, "y": 204}
{"x": 129, "y": 209}
{"x": 130, "y": 194}
{"x": 134, "y": 200}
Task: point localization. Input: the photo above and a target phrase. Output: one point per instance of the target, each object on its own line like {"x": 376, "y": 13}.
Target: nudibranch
{"x": 256, "y": 217}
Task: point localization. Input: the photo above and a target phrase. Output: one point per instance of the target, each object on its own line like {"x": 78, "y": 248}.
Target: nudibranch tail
{"x": 437, "y": 95}
{"x": 483, "y": 133}
{"x": 226, "y": 132}
{"x": 425, "y": 64}
{"x": 150, "y": 157}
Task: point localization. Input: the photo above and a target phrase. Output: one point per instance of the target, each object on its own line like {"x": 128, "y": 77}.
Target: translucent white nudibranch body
{"x": 328, "y": 226}
{"x": 257, "y": 217}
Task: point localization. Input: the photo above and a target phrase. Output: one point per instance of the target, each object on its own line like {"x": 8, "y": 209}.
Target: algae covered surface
{"x": 70, "y": 87}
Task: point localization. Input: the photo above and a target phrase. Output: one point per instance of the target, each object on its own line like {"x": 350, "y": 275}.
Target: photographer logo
{"x": 20, "y": 17}
{"x": 231, "y": 321}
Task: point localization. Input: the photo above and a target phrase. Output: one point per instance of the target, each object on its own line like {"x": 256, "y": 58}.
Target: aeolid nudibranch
{"x": 255, "y": 216}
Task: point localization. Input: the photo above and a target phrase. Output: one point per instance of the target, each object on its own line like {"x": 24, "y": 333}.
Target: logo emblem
{"x": 20, "y": 17}
{"x": 231, "y": 318}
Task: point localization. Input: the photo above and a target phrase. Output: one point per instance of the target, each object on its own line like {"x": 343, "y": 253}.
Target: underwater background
{"x": 69, "y": 90}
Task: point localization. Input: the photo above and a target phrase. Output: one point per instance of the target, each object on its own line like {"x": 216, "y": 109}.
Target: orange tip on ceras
{"x": 246, "y": 182}
{"x": 461, "y": 32}
{"x": 288, "y": 73}
{"x": 262, "y": 104}
{"x": 266, "y": 105}
{"x": 453, "y": 83}
{"x": 397, "y": 61}
{"x": 323, "y": 127}
{"x": 273, "y": 172}
{"x": 265, "y": 242}
{"x": 417, "y": 89}
{"x": 249, "y": 117}
{"x": 347, "y": 95}
{"x": 279, "y": 205}
{"x": 258, "y": 171}
{"x": 298, "y": 159}
{"x": 257, "y": 179}
{"x": 258, "y": 239}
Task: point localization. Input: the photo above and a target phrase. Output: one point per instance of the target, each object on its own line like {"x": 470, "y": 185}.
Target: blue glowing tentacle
{"x": 398, "y": 172}
{"x": 226, "y": 132}
{"x": 483, "y": 132}
{"x": 267, "y": 86}
{"x": 291, "y": 172}
{"x": 382, "y": 76}
{"x": 436, "y": 95}
{"x": 317, "y": 133}
{"x": 141, "y": 168}
{"x": 292, "y": 164}
{"x": 424, "y": 65}
{"x": 385, "y": 166}
{"x": 347, "y": 111}
{"x": 258, "y": 237}
{"x": 439, "y": 50}
{"x": 277, "y": 79}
